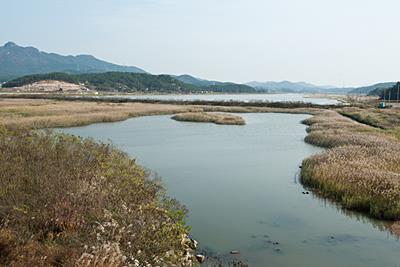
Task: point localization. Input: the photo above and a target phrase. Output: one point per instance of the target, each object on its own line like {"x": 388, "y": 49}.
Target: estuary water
{"x": 241, "y": 187}
{"x": 239, "y": 97}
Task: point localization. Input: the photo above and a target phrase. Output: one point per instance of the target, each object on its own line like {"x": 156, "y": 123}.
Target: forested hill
{"x": 392, "y": 93}
{"x": 376, "y": 87}
{"x": 130, "y": 82}
{"x": 216, "y": 86}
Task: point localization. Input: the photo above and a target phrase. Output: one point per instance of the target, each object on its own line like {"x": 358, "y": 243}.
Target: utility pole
{"x": 384, "y": 94}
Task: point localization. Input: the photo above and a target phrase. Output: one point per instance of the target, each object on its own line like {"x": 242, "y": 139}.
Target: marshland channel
{"x": 240, "y": 184}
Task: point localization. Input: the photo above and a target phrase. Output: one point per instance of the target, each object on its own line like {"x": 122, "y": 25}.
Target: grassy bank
{"x": 361, "y": 169}
{"x": 217, "y": 118}
{"x": 386, "y": 119}
{"x": 45, "y": 113}
{"x": 41, "y": 113}
{"x": 66, "y": 201}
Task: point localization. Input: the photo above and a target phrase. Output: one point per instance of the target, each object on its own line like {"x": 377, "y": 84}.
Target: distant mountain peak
{"x": 10, "y": 44}
{"x": 17, "y": 61}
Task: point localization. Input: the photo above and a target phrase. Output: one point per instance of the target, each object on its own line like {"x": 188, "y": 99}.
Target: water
{"x": 239, "y": 183}
{"x": 240, "y": 97}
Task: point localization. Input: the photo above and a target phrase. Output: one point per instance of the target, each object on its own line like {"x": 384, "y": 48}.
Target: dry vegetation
{"x": 387, "y": 119}
{"x": 36, "y": 113}
{"x": 42, "y": 113}
{"x": 217, "y": 118}
{"x": 66, "y": 201}
{"x": 361, "y": 169}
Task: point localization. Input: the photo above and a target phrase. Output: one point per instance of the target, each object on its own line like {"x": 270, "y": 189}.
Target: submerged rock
{"x": 200, "y": 258}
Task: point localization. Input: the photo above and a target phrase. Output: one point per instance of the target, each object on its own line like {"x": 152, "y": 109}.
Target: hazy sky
{"x": 329, "y": 42}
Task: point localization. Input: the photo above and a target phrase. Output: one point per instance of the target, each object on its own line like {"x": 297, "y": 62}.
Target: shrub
{"x": 74, "y": 201}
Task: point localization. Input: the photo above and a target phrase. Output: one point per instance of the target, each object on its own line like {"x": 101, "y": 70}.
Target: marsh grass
{"x": 361, "y": 168}
{"x": 379, "y": 118}
{"x": 44, "y": 113}
{"x": 37, "y": 114}
{"x": 66, "y": 201}
{"x": 217, "y": 118}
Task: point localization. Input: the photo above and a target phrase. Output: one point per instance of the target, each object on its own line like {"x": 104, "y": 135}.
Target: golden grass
{"x": 361, "y": 169}
{"x": 381, "y": 118}
{"x": 17, "y": 113}
{"x": 213, "y": 117}
{"x": 42, "y": 113}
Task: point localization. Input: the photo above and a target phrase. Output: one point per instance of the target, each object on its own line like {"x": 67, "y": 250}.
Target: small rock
{"x": 235, "y": 252}
{"x": 332, "y": 237}
{"x": 200, "y": 258}
{"x": 275, "y": 243}
{"x": 307, "y": 193}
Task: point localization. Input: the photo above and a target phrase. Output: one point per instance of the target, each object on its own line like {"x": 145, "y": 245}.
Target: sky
{"x": 325, "y": 42}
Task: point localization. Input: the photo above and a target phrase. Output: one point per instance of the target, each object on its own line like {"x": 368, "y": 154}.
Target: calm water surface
{"x": 240, "y": 185}
{"x": 240, "y": 97}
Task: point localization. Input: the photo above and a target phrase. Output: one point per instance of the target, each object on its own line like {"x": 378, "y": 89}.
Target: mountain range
{"x": 287, "y": 86}
{"x": 17, "y": 61}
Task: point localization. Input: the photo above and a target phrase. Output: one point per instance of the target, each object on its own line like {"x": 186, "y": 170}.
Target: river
{"x": 240, "y": 184}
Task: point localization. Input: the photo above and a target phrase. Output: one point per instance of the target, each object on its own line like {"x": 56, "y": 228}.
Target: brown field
{"x": 213, "y": 117}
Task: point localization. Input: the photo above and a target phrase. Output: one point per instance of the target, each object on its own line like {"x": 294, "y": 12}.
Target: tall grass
{"x": 361, "y": 169}
{"x": 217, "y": 118}
{"x": 66, "y": 201}
{"x": 42, "y": 113}
{"x": 379, "y": 118}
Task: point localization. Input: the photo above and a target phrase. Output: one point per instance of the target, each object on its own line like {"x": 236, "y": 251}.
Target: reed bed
{"x": 388, "y": 118}
{"x": 217, "y": 118}
{"x": 45, "y": 113}
{"x": 361, "y": 168}
{"x": 36, "y": 114}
